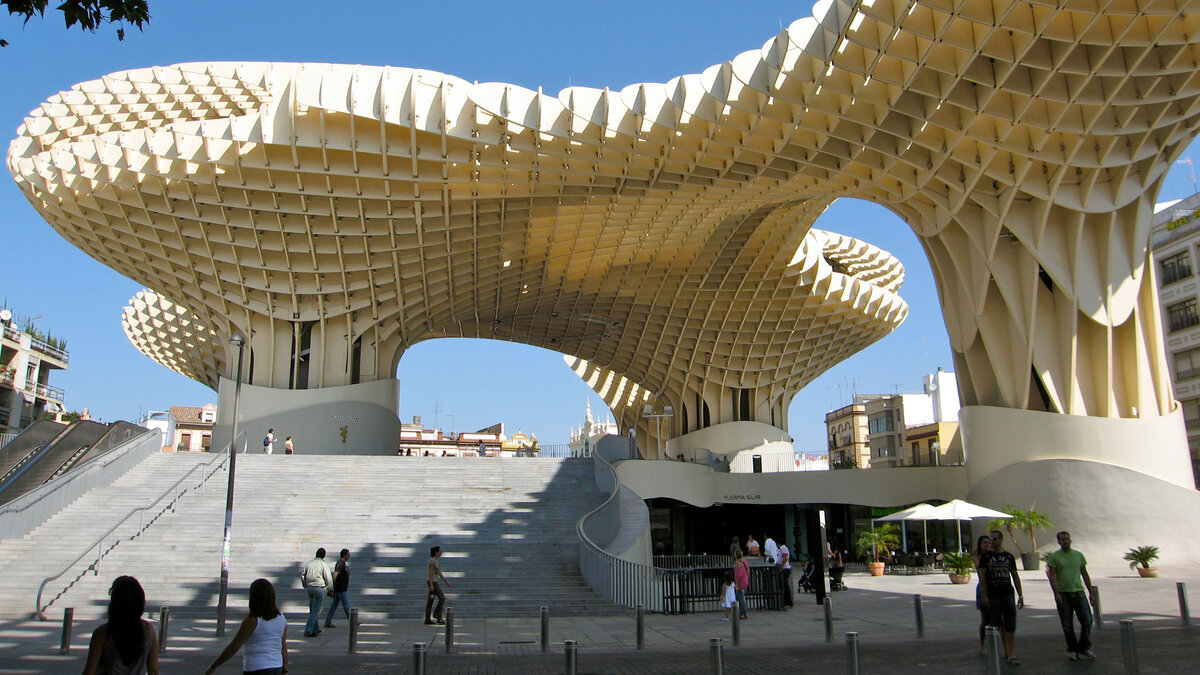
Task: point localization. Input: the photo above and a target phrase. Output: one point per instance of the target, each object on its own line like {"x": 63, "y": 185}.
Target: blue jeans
{"x": 1075, "y": 604}
{"x": 342, "y": 597}
{"x": 315, "y": 596}
{"x": 741, "y": 599}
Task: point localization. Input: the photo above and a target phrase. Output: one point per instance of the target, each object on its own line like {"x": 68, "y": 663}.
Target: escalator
{"x": 43, "y": 459}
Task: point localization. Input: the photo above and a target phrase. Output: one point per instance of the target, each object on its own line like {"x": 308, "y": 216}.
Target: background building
{"x": 189, "y": 429}
{"x": 1175, "y": 242}
{"x": 26, "y": 358}
{"x": 883, "y": 430}
{"x": 584, "y": 438}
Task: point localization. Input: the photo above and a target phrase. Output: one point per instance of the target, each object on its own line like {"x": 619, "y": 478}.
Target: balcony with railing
{"x": 47, "y": 391}
{"x": 49, "y": 350}
{"x": 12, "y": 333}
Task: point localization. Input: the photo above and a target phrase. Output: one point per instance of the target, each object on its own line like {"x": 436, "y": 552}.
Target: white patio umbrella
{"x": 960, "y": 510}
{"x": 912, "y": 513}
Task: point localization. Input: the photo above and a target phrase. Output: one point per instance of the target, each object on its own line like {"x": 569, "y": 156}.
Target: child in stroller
{"x": 806, "y": 583}
{"x": 836, "y": 569}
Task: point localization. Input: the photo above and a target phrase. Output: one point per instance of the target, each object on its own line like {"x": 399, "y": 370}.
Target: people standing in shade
{"x": 741, "y": 581}
{"x": 752, "y": 547}
{"x": 288, "y": 448}
{"x": 998, "y": 573}
{"x": 735, "y": 548}
{"x": 317, "y": 581}
{"x": 269, "y": 442}
{"x": 784, "y": 562}
{"x": 433, "y": 573}
{"x": 263, "y": 633}
{"x": 982, "y": 545}
{"x": 1067, "y": 569}
{"x": 341, "y": 582}
{"x": 126, "y": 643}
{"x": 771, "y": 550}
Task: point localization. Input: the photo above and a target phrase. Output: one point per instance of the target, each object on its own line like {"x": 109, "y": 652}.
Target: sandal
{"x": 1014, "y": 661}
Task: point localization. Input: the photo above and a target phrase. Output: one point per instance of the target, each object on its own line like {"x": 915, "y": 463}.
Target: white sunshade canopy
{"x": 960, "y": 510}
{"x": 918, "y": 512}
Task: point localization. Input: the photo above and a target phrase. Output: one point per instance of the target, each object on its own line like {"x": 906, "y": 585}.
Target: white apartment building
{"x": 1175, "y": 242}
{"x": 26, "y": 359}
{"x": 934, "y": 411}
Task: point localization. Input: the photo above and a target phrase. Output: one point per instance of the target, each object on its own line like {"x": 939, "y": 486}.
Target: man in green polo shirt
{"x": 1068, "y": 574}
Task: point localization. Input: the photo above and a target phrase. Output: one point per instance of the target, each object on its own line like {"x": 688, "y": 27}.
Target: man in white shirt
{"x": 785, "y": 565}
{"x": 269, "y": 442}
{"x": 316, "y": 579}
{"x": 771, "y": 550}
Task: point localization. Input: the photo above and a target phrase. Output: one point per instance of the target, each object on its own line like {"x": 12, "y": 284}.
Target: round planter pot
{"x": 960, "y": 578}
{"x": 1148, "y": 572}
{"x": 877, "y": 569}
{"x": 1030, "y": 561}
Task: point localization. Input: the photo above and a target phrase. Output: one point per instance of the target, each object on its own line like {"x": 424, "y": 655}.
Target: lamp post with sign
{"x": 649, "y": 413}
{"x": 237, "y": 341}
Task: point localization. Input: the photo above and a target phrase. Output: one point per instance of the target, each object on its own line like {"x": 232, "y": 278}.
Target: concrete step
{"x": 507, "y": 527}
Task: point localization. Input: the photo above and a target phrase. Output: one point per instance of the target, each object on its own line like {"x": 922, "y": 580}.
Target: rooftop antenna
{"x": 1191, "y": 172}
{"x": 436, "y": 409}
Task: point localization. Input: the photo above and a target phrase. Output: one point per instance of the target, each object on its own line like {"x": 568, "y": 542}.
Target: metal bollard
{"x": 716, "y": 656}
{"x": 919, "y": 608}
{"x": 994, "y": 651}
{"x": 1129, "y": 647}
{"x": 570, "y": 657}
{"x": 449, "y": 629}
{"x": 68, "y": 618}
{"x": 641, "y": 626}
{"x": 1098, "y": 616}
{"x": 735, "y": 624}
{"x": 828, "y": 619}
{"x": 419, "y": 651}
{"x": 545, "y": 628}
{"x": 164, "y": 624}
{"x": 353, "y": 631}
{"x": 852, "y": 654}
{"x": 1185, "y": 615}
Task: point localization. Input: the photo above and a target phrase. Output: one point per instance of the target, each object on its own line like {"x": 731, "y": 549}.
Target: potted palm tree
{"x": 959, "y": 566}
{"x": 1140, "y": 557}
{"x": 875, "y": 542}
{"x": 1029, "y": 522}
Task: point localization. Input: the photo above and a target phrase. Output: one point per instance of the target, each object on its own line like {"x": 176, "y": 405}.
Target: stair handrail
{"x": 112, "y": 456}
{"x": 618, "y": 580}
{"x": 218, "y": 459}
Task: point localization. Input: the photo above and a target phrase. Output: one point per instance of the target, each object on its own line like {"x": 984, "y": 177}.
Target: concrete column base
{"x": 357, "y": 419}
{"x": 1113, "y": 483}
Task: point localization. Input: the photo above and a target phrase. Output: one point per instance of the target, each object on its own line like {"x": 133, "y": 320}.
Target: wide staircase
{"x": 506, "y": 526}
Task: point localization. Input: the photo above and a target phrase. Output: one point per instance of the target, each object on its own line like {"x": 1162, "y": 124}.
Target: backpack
{"x": 266, "y": 440}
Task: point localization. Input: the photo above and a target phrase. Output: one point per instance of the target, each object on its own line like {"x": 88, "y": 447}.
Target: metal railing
{"x": 5, "y": 439}
{"x": 619, "y": 581}
{"x": 49, "y": 349}
{"x": 20, "y": 516}
{"x": 98, "y": 544}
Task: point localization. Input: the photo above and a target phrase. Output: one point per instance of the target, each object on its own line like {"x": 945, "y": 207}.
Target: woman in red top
{"x": 741, "y": 581}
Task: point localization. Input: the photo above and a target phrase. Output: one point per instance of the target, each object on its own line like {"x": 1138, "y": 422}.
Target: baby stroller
{"x": 806, "y": 583}
{"x": 835, "y": 578}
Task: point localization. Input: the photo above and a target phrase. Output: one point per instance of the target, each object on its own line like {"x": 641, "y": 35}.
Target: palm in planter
{"x": 959, "y": 566}
{"x": 1140, "y": 558}
{"x": 1027, "y": 521}
{"x": 878, "y": 541}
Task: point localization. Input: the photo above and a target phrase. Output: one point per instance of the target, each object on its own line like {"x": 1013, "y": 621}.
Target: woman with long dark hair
{"x": 126, "y": 644}
{"x": 982, "y": 545}
{"x": 264, "y": 634}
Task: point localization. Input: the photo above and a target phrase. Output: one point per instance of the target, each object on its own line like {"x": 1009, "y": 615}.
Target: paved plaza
{"x": 793, "y": 641}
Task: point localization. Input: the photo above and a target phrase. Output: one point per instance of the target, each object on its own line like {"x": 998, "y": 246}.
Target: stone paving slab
{"x": 880, "y": 609}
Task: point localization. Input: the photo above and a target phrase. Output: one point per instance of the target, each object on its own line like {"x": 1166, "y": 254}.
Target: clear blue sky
{"x": 547, "y": 44}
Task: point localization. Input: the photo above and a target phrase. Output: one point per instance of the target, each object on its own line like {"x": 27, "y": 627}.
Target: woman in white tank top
{"x": 263, "y": 633}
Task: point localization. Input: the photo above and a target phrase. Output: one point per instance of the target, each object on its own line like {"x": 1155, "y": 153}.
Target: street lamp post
{"x": 667, "y": 413}
{"x": 237, "y": 341}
